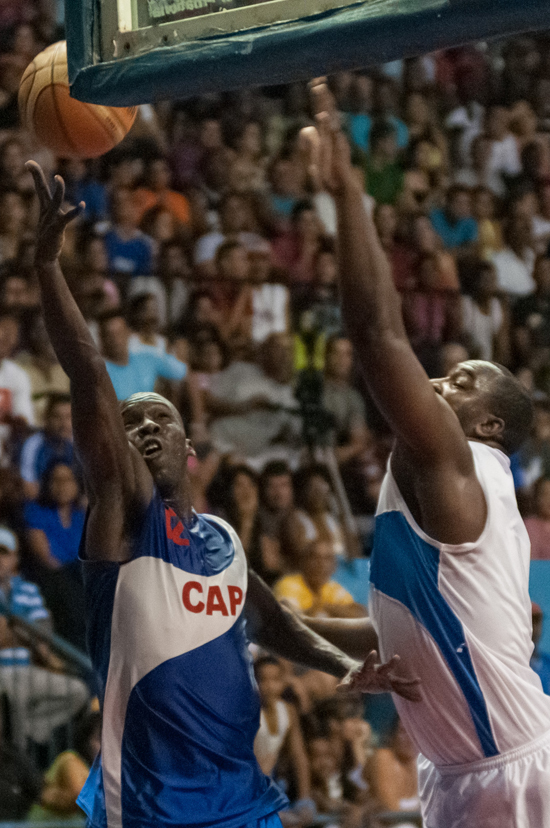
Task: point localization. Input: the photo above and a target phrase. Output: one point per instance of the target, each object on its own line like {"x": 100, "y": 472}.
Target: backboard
{"x": 125, "y": 52}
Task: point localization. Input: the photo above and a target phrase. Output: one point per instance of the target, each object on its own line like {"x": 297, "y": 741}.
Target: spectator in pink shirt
{"x": 538, "y": 524}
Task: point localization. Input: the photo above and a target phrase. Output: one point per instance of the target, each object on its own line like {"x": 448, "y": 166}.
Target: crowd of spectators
{"x": 205, "y": 266}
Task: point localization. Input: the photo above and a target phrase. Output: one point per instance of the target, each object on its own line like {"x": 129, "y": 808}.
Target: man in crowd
{"x": 52, "y": 443}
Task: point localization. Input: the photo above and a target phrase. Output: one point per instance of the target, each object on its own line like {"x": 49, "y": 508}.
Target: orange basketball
{"x": 70, "y": 128}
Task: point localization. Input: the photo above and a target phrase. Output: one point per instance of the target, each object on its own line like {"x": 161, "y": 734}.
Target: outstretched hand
{"x": 52, "y": 220}
{"x": 324, "y": 147}
{"x": 381, "y": 678}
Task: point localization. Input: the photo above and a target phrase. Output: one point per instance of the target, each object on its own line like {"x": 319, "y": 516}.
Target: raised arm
{"x": 371, "y": 305}
{"x": 283, "y": 633}
{"x": 114, "y": 474}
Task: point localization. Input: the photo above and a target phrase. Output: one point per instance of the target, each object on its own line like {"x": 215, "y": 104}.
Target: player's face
{"x": 154, "y": 428}
{"x": 465, "y": 388}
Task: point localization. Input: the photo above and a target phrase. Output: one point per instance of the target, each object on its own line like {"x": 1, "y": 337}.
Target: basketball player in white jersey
{"x": 170, "y": 604}
{"x": 450, "y": 562}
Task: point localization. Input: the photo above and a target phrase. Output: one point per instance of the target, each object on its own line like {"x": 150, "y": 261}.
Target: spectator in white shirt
{"x": 505, "y": 160}
{"x": 483, "y": 318}
{"x": 15, "y": 387}
{"x": 236, "y": 221}
{"x": 514, "y": 265}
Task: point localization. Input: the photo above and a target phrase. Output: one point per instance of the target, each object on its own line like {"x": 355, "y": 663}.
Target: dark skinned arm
{"x": 356, "y": 637}
{"x": 372, "y": 310}
{"x": 117, "y": 480}
{"x": 279, "y": 630}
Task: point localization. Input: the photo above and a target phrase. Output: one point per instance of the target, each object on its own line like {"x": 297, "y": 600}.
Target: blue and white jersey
{"x": 460, "y": 618}
{"x": 166, "y": 635}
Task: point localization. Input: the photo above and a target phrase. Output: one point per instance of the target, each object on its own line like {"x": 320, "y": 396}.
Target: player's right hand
{"x": 52, "y": 220}
{"x": 373, "y": 677}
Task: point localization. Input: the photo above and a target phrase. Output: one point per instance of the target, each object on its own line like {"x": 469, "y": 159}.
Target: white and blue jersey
{"x": 166, "y": 635}
{"x": 460, "y": 618}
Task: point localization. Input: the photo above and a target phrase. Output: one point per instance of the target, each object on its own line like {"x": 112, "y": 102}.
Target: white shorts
{"x": 507, "y": 791}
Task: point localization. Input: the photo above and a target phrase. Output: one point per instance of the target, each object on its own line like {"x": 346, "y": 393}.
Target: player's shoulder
{"x": 217, "y": 522}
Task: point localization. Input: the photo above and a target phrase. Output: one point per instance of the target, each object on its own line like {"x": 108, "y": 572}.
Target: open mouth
{"x": 151, "y": 448}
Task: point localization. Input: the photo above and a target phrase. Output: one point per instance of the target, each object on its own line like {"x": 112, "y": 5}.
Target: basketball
{"x": 70, "y": 128}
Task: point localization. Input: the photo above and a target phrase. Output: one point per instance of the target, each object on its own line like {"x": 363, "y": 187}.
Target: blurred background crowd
{"x": 205, "y": 265}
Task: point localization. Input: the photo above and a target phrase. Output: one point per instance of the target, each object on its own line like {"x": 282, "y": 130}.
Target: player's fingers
{"x": 40, "y": 183}
{"x": 385, "y": 669}
{"x": 73, "y": 213}
{"x": 58, "y": 192}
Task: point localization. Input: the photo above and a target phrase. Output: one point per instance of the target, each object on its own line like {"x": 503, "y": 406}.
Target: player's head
{"x": 490, "y": 403}
{"x": 155, "y": 428}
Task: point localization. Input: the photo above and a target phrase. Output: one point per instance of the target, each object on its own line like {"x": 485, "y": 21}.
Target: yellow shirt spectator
{"x": 294, "y": 590}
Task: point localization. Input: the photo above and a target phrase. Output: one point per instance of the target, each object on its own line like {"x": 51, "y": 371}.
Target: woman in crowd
{"x": 54, "y": 525}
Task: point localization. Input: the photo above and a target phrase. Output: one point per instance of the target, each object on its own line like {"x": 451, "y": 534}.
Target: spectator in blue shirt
{"x": 53, "y": 442}
{"x": 540, "y": 662}
{"x": 130, "y": 251}
{"x": 454, "y": 223}
{"x": 54, "y": 525}
{"x": 39, "y": 700}
{"x": 132, "y": 371}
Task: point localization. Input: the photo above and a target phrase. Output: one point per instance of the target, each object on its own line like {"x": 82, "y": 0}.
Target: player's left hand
{"x": 374, "y": 677}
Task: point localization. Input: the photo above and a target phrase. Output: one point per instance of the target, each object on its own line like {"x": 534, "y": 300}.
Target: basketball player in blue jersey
{"x": 168, "y": 595}
{"x": 450, "y": 561}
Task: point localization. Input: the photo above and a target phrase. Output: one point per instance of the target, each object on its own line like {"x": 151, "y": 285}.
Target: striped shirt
{"x": 22, "y": 599}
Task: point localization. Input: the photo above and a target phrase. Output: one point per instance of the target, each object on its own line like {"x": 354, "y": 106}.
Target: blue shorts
{"x": 269, "y": 821}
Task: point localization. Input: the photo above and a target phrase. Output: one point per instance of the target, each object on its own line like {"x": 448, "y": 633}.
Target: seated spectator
{"x": 19, "y": 290}
{"x": 39, "y": 700}
{"x": 489, "y": 229}
{"x": 484, "y": 321}
{"x": 531, "y": 315}
{"x": 400, "y": 256}
{"x": 423, "y": 178}
{"x": 312, "y": 591}
{"x": 431, "y": 314}
{"x": 130, "y": 252}
{"x": 479, "y": 172}
{"x": 504, "y": 160}
{"x": 454, "y": 223}
{"x": 252, "y": 406}
{"x": 201, "y": 316}
{"x": 54, "y": 525}
{"x": 383, "y": 174}
{"x": 236, "y": 223}
{"x": 426, "y": 242}
{"x": 157, "y": 192}
{"x": 327, "y": 785}
{"x": 345, "y": 404}
{"x": 40, "y": 365}
{"x": 247, "y": 157}
{"x": 276, "y": 496}
{"x": 16, "y": 409}
{"x": 540, "y": 661}
{"x": 386, "y": 109}
{"x": 80, "y": 185}
{"x": 52, "y": 443}
{"x": 515, "y": 263}
{"x": 13, "y": 217}
{"x": 20, "y": 781}
{"x": 314, "y": 518}
{"x": 286, "y": 191}
{"x": 134, "y": 371}
{"x": 66, "y": 777}
{"x": 232, "y": 294}
{"x": 173, "y": 272}
{"x": 279, "y": 726}
{"x": 242, "y": 511}
{"x": 394, "y": 774}
{"x": 144, "y": 321}
{"x": 317, "y": 311}
{"x": 538, "y": 524}
{"x": 270, "y": 299}
{"x": 295, "y": 251}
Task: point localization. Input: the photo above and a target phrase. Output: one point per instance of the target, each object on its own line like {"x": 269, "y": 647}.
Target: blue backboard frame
{"x": 357, "y": 35}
